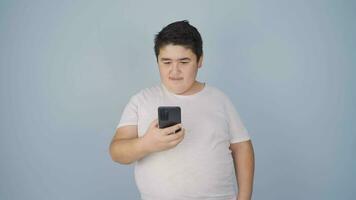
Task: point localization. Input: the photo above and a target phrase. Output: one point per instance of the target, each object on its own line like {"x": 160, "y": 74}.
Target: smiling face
{"x": 178, "y": 68}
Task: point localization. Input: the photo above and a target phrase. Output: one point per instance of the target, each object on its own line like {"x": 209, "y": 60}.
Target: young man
{"x": 200, "y": 161}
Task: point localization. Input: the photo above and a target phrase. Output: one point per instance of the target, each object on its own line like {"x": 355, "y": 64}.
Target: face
{"x": 178, "y": 68}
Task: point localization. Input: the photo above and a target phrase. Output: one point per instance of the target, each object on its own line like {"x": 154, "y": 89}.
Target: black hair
{"x": 180, "y": 33}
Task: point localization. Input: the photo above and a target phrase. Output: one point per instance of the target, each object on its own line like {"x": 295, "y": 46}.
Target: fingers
{"x": 176, "y": 137}
{"x": 171, "y": 129}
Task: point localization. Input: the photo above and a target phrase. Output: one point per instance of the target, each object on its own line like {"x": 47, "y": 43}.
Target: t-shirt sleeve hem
{"x": 125, "y": 124}
{"x": 237, "y": 140}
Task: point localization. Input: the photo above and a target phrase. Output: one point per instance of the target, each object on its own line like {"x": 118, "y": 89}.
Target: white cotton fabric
{"x": 201, "y": 166}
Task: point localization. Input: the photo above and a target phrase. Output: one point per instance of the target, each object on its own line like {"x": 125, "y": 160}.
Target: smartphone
{"x": 169, "y": 116}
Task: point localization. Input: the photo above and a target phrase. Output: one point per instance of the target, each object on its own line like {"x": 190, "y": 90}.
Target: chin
{"x": 177, "y": 89}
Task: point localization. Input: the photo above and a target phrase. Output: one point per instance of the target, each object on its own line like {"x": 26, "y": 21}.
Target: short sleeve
{"x": 237, "y": 130}
{"x": 129, "y": 115}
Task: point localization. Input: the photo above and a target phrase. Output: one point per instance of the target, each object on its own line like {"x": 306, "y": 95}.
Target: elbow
{"x": 117, "y": 157}
{"x": 121, "y": 161}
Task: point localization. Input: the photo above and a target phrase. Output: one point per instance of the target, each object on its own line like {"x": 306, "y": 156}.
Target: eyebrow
{"x": 180, "y": 59}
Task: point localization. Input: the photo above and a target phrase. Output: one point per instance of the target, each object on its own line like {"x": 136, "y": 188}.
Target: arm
{"x": 244, "y": 162}
{"x": 126, "y": 147}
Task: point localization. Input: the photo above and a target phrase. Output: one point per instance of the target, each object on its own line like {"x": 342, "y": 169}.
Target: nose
{"x": 175, "y": 69}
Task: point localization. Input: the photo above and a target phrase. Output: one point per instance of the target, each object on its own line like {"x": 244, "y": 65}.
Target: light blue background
{"x": 69, "y": 67}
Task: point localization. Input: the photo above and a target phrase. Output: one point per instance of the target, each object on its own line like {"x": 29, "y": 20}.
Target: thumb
{"x": 154, "y": 123}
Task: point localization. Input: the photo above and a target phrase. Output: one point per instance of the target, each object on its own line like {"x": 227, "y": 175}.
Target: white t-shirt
{"x": 201, "y": 166}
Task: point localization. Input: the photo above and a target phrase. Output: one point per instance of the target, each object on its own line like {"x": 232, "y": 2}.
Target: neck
{"x": 196, "y": 87}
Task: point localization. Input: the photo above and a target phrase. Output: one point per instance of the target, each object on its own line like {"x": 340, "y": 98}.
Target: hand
{"x": 156, "y": 139}
{"x": 242, "y": 198}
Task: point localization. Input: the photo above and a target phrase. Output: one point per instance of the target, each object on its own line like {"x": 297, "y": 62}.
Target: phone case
{"x": 168, "y": 116}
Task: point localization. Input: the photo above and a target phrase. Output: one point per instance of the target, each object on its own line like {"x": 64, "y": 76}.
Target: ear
{"x": 200, "y": 62}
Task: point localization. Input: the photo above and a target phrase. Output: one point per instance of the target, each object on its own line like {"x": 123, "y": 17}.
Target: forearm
{"x": 244, "y": 169}
{"x": 127, "y": 151}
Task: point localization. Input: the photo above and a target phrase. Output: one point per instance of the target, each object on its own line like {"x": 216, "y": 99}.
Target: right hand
{"x": 157, "y": 139}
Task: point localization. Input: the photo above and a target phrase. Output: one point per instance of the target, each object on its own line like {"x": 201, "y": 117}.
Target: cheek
{"x": 190, "y": 73}
{"x": 163, "y": 72}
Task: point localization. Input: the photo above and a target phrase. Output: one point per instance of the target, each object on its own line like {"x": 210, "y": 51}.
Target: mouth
{"x": 175, "y": 78}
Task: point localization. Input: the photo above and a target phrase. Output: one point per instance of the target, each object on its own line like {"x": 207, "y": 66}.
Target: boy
{"x": 199, "y": 161}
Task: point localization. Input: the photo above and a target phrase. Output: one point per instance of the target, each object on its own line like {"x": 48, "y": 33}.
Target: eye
{"x": 166, "y": 63}
{"x": 184, "y": 62}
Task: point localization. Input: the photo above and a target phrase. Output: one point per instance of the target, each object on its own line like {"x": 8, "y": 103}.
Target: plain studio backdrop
{"x": 68, "y": 68}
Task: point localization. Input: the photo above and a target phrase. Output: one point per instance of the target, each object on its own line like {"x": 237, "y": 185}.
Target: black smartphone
{"x": 169, "y": 116}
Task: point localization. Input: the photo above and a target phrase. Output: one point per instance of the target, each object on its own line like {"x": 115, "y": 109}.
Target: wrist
{"x": 144, "y": 145}
{"x": 243, "y": 198}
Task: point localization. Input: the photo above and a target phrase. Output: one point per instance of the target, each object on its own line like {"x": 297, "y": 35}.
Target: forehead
{"x": 175, "y": 52}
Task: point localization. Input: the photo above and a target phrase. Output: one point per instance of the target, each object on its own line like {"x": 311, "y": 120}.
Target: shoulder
{"x": 221, "y": 97}
{"x": 218, "y": 93}
{"x": 147, "y": 93}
